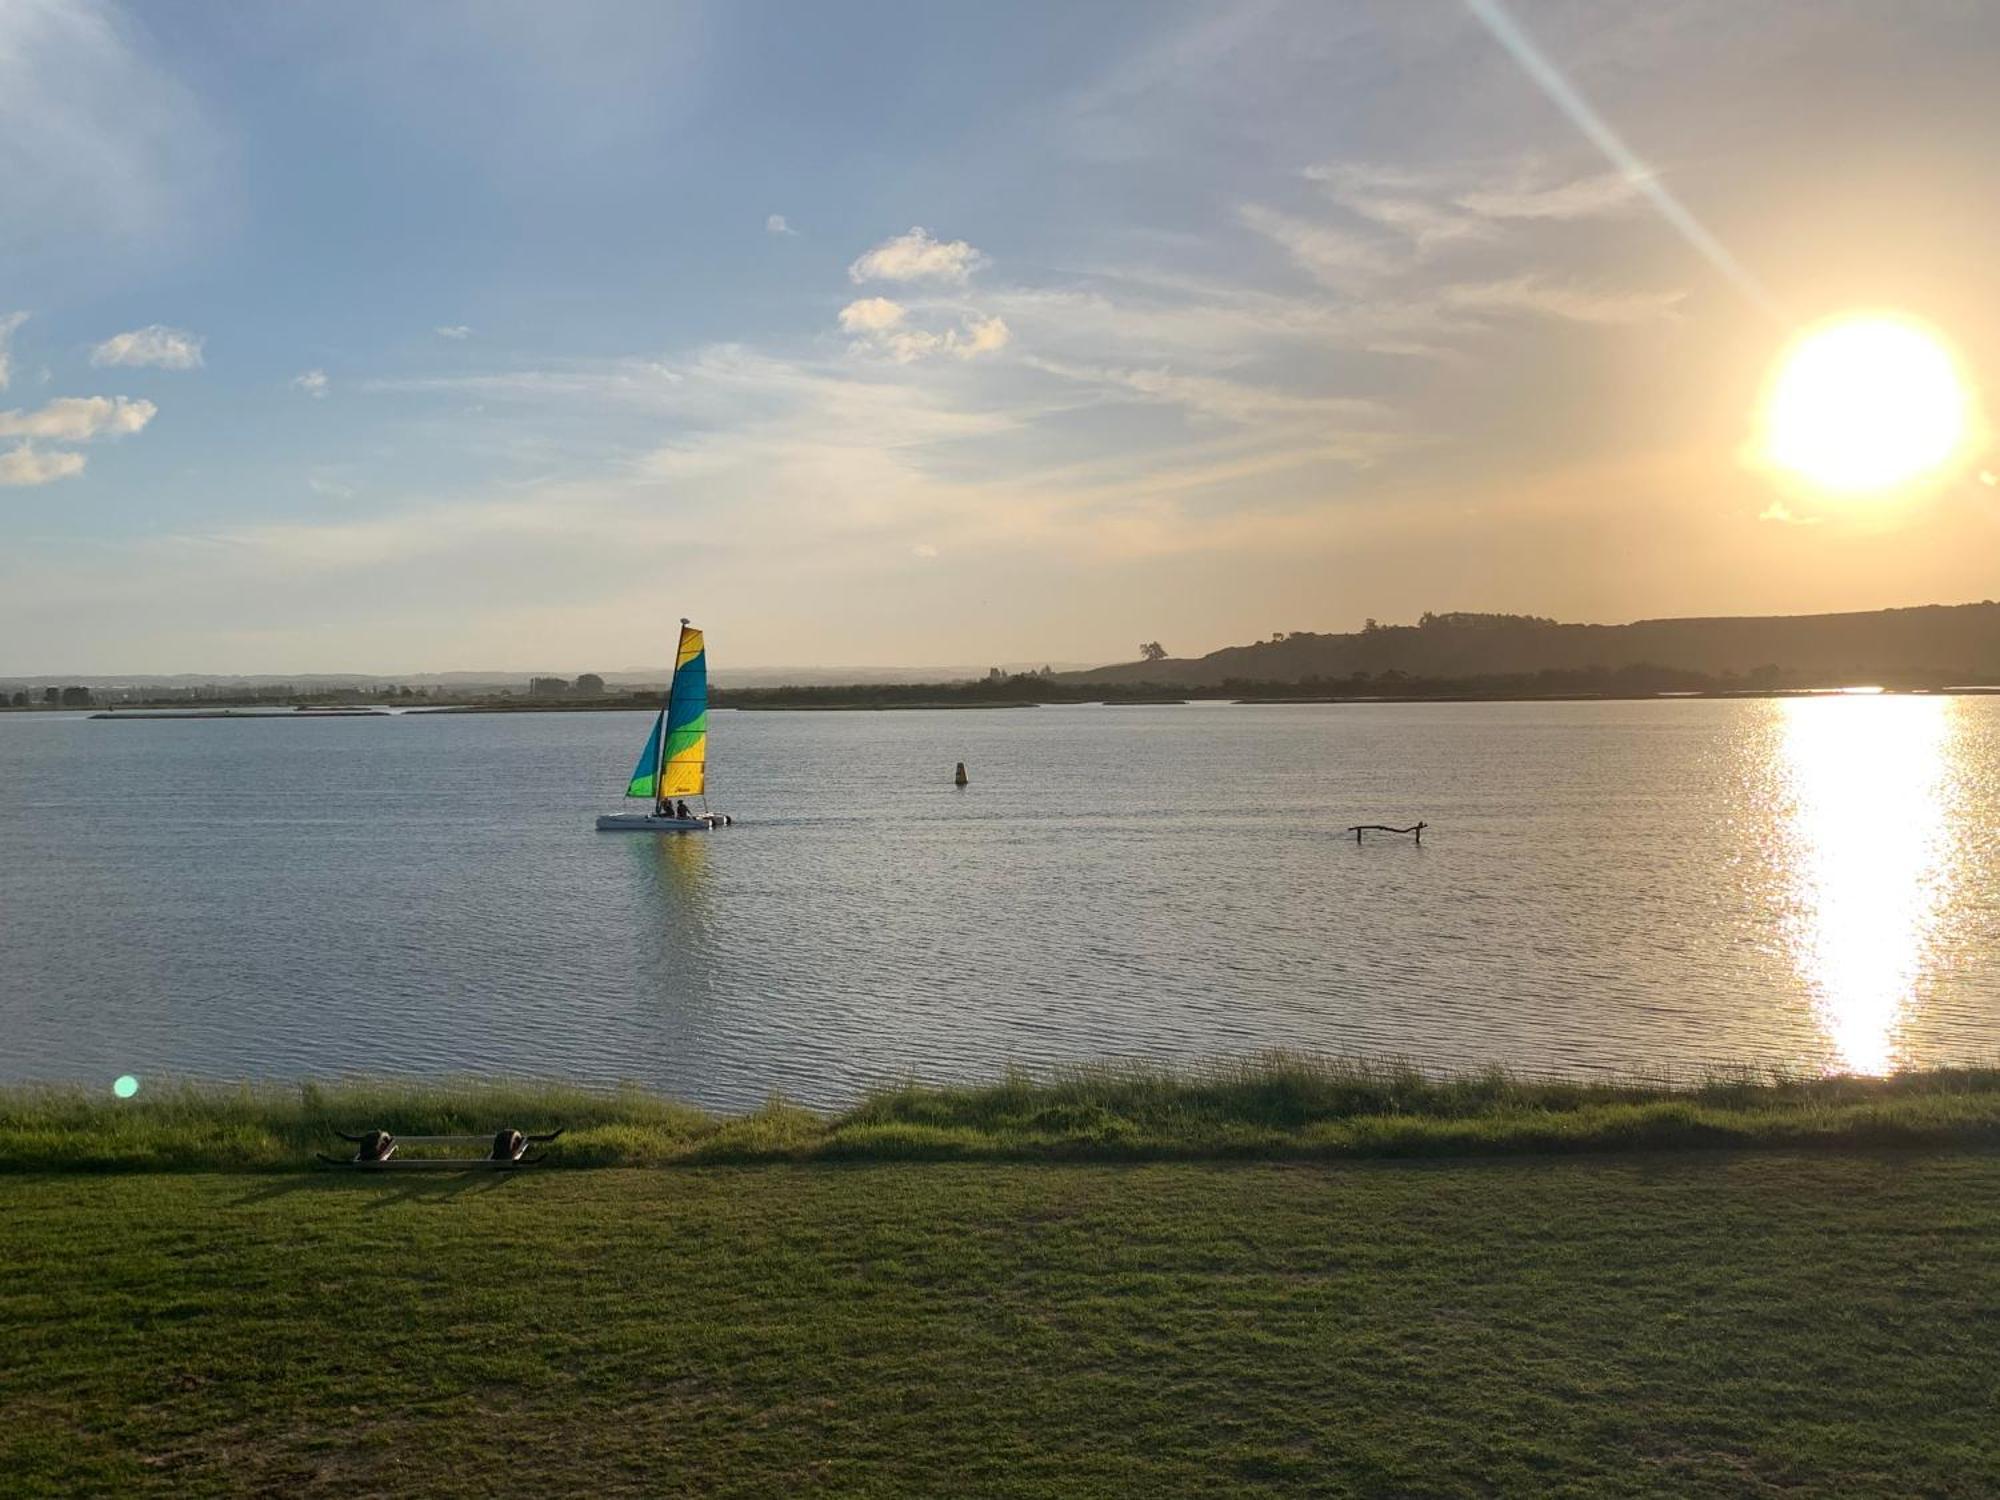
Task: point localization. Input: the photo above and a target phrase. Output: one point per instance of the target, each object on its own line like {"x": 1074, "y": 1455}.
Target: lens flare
{"x": 126, "y": 1086}
{"x": 1864, "y": 404}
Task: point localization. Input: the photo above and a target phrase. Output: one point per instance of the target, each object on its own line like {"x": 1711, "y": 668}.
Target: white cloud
{"x": 776, "y": 224}
{"x": 883, "y": 327}
{"x": 312, "y": 382}
{"x": 24, "y": 464}
{"x": 8, "y": 323}
{"x": 871, "y": 315}
{"x": 916, "y": 256}
{"x": 1577, "y": 304}
{"x": 157, "y": 345}
{"x": 1784, "y": 515}
{"x": 982, "y": 336}
{"x": 452, "y": 331}
{"x": 969, "y": 340}
{"x": 77, "y": 419}
{"x": 924, "y": 550}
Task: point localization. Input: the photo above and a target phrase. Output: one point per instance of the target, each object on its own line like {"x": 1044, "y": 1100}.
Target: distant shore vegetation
{"x": 1449, "y": 655}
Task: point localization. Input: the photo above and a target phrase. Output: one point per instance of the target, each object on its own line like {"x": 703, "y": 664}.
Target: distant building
{"x": 548, "y": 687}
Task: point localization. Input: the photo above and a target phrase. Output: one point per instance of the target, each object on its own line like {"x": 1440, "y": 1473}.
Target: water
{"x": 1624, "y": 887}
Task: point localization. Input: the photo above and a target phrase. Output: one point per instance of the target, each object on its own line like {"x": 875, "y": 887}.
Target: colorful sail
{"x": 683, "y": 767}
{"x": 674, "y": 762}
{"x": 645, "y": 782}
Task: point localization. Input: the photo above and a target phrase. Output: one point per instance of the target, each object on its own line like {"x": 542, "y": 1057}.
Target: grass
{"x": 1692, "y": 1324}
{"x": 1273, "y": 1108}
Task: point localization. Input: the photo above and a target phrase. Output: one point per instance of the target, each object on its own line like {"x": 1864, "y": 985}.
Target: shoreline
{"x": 1275, "y": 1108}
{"x": 762, "y": 700}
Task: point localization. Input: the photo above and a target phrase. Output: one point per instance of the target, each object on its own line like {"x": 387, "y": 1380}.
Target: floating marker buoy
{"x": 959, "y": 778}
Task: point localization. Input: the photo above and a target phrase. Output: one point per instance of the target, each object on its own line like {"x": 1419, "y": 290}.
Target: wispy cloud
{"x": 96, "y": 140}
{"x": 313, "y": 382}
{"x": 8, "y": 323}
{"x": 452, "y": 331}
{"x": 778, "y": 224}
{"x": 78, "y": 419}
{"x": 1577, "y": 304}
{"x": 1334, "y": 257}
{"x": 1233, "y": 400}
{"x": 917, "y": 256}
{"x": 24, "y": 464}
{"x": 156, "y": 345}
{"x": 1601, "y": 196}
{"x": 1402, "y": 201}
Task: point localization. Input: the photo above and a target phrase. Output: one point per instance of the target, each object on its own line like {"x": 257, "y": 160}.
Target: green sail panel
{"x": 645, "y": 775}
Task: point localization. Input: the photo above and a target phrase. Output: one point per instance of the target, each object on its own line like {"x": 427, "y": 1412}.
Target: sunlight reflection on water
{"x": 1867, "y": 788}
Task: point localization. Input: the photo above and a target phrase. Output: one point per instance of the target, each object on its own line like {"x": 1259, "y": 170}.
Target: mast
{"x": 666, "y": 712}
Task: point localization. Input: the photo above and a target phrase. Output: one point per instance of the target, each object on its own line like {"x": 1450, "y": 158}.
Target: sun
{"x": 1866, "y": 403}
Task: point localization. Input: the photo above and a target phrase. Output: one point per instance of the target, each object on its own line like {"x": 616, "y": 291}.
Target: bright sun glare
{"x": 1864, "y": 404}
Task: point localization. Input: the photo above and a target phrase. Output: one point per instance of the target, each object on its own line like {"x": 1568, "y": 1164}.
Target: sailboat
{"x": 674, "y": 763}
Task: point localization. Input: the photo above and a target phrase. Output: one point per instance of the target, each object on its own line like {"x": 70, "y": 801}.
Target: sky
{"x": 391, "y": 338}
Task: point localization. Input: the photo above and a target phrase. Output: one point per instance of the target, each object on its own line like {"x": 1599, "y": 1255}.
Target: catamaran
{"x": 674, "y": 764}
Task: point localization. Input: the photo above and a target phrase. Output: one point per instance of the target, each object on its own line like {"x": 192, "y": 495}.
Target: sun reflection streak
{"x": 1866, "y": 785}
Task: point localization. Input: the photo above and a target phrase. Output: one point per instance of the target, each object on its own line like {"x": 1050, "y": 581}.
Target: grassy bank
{"x": 1278, "y": 1108}
{"x": 1764, "y": 1323}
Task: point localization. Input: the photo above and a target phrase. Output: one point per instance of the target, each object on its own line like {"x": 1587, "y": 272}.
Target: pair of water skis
{"x": 375, "y": 1151}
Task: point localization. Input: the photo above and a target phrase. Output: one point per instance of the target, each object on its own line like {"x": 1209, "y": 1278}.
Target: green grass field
{"x": 1288, "y": 1277}
{"x": 1713, "y": 1323}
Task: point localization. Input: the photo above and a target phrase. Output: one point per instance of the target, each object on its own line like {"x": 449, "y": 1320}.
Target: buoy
{"x": 959, "y": 779}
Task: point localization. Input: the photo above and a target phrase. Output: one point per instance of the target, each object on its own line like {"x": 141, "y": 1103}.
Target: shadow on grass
{"x": 382, "y": 1188}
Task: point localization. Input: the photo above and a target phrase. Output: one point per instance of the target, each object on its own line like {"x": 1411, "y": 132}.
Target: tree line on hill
{"x": 1928, "y": 645}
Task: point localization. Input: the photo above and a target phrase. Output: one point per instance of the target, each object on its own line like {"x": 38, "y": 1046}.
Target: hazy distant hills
{"x": 501, "y": 681}
{"x": 1960, "y": 643}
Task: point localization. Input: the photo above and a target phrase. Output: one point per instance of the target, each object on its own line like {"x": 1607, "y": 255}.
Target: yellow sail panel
{"x": 683, "y": 763}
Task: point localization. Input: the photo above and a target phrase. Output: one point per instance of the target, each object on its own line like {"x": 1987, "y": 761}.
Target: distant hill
{"x": 1941, "y": 643}
{"x": 505, "y": 681}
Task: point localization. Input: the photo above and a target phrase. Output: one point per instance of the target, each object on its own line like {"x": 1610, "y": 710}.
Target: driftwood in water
{"x": 1360, "y": 828}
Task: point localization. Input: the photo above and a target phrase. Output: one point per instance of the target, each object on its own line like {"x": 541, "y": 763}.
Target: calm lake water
{"x": 1625, "y": 886}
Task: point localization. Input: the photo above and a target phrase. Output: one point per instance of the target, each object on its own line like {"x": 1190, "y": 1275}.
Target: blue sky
{"x": 398, "y": 338}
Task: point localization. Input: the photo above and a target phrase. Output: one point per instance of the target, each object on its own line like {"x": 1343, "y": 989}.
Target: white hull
{"x": 647, "y": 823}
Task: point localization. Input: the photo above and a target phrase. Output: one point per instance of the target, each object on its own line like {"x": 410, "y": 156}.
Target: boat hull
{"x": 647, "y": 823}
